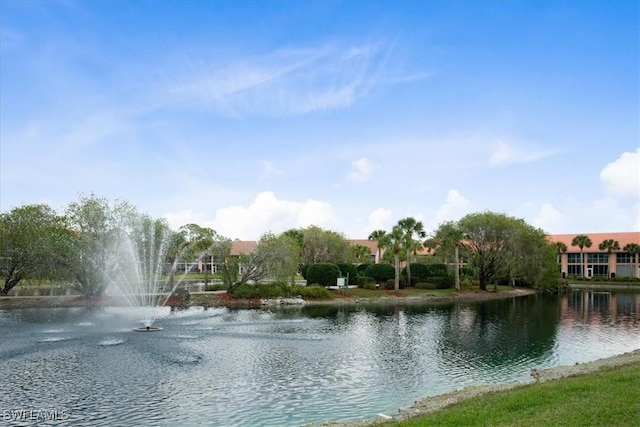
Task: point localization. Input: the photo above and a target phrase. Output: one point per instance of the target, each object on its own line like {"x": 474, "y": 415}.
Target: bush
{"x": 323, "y": 274}
{"x": 441, "y": 282}
{"x": 426, "y": 285}
{"x": 391, "y": 284}
{"x": 419, "y": 272}
{"x": 467, "y": 272}
{"x": 361, "y": 268}
{"x": 215, "y": 287}
{"x": 436, "y": 270}
{"x": 311, "y": 292}
{"x": 380, "y": 272}
{"x": 368, "y": 282}
{"x": 349, "y": 269}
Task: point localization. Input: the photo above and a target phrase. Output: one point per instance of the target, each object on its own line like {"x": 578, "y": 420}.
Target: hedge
{"x": 323, "y": 274}
{"x": 380, "y": 272}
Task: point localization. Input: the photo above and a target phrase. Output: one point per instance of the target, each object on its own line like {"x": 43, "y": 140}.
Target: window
{"x": 574, "y": 270}
{"x": 598, "y": 258}
{"x": 600, "y": 270}
{"x": 624, "y": 258}
{"x": 574, "y": 258}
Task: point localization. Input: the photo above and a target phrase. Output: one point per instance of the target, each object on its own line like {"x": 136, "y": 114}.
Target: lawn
{"x": 609, "y": 397}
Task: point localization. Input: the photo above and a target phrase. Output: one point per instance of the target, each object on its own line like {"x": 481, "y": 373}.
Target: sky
{"x": 256, "y": 116}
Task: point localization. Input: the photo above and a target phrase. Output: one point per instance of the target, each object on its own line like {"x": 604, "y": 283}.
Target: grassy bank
{"x": 608, "y": 397}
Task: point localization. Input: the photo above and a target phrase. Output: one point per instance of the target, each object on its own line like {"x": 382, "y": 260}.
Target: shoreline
{"x": 220, "y": 299}
{"x": 437, "y": 402}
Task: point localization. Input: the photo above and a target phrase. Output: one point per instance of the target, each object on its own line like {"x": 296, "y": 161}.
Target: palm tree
{"x": 610, "y": 246}
{"x": 395, "y": 241}
{"x": 633, "y": 249}
{"x": 410, "y": 228}
{"x": 582, "y": 241}
{"x": 361, "y": 254}
{"x": 560, "y": 249}
{"x": 380, "y": 236}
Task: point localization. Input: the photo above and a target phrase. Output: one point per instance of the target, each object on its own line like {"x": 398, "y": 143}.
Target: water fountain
{"x": 136, "y": 269}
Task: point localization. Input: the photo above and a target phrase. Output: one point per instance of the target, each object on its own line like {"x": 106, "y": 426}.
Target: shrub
{"x": 323, "y": 274}
{"x": 380, "y": 272}
{"x": 391, "y": 284}
{"x": 426, "y": 285}
{"x": 436, "y": 270}
{"x": 361, "y": 268}
{"x": 303, "y": 270}
{"x": 349, "y": 269}
{"x": 368, "y": 282}
{"x": 419, "y": 272}
{"x": 441, "y": 282}
{"x": 467, "y": 272}
{"x": 311, "y": 292}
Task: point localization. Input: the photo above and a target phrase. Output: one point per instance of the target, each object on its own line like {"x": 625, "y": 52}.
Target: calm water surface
{"x": 223, "y": 367}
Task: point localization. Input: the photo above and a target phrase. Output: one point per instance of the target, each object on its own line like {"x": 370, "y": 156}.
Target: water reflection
{"x": 295, "y": 366}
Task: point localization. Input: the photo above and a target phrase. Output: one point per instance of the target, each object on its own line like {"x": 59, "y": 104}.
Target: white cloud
{"x": 265, "y": 213}
{"x": 622, "y": 177}
{"x": 379, "y": 219}
{"x": 510, "y": 153}
{"x": 361, "y": 170}
{"x": 454, "y": 208}
{"x": 549, "y": 218}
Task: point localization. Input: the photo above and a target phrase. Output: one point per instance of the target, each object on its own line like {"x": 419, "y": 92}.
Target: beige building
{"x": 593, "y": 262}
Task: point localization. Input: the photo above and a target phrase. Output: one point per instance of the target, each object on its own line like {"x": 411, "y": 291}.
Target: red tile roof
{"x": 623, "y": 238}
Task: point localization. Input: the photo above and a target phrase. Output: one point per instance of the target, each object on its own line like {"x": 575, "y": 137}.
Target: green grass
{"x": 379, "y": 293}
{"x": 610, "y": 397}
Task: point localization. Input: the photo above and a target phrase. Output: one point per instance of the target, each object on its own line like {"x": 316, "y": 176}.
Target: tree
{"x": 360, "y": 254}
{"x": 324, "y": 246}
{"x": 33, "y": 239}
{"x": 560, "y": 248}
{"x": 447, "y": 242}
{"x": 582, "y": 241}
{"x": 396, "y": 241}
{"x": 380, "y": 236}
{"x": 633, "y": 249}
{"x": 610, "y": 246}
{"x": 413, "y": 232}
{"x": 96, "y": 225}
{"x": 503, "y": 247}
{"x": 280, "y": 255}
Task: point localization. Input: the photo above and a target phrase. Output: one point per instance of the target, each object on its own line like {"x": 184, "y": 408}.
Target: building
{"x": 597, "y": 263}
{"x": 593, "y": 262}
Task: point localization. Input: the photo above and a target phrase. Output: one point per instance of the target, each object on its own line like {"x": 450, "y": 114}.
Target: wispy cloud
{"x": 506, "y": 153}
{"x": 281, "y": 83}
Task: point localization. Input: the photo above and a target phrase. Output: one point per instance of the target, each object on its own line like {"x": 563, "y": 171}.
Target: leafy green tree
{"x": 97, "y": 225}
{"x": 582, "y": 241}
{"x": 532, "y": 258}
{"x": 633, "y": 249}
{"x": 324, "y": 246}
{"x": 503, "y": 247}
{"x": 33, "y": 242}
{"x": 280, "y": 254}
{"x": 610, "y": 246}
{"x": 380, "y": 237}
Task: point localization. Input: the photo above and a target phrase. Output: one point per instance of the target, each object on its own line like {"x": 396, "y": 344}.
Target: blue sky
{"x": 254, "y": 116}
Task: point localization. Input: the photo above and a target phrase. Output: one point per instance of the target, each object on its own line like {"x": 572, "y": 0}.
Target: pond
{"x": 290, "y": 367}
